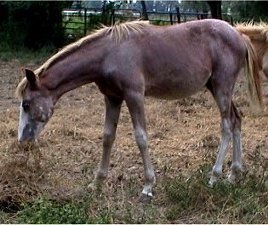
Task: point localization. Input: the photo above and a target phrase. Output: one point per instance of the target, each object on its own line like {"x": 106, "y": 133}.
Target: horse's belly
{"x": 173, "y": 91}
{"x": 172, "y": 82}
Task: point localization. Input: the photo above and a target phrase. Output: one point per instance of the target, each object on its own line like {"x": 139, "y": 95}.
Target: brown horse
{"x": 132, "y": 60}
{"x": 258, "y": 35}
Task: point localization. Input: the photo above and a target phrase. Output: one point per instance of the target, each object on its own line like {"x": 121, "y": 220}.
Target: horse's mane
{"x": 117, "y": 32}
{"x": 255, "y": 31}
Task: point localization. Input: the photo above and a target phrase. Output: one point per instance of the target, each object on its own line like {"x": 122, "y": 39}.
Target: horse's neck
{"x": 78, "y": 68}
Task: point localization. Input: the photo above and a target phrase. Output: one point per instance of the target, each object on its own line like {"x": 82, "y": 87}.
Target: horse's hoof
{"x": 96, "y": 185}
{"x": 215, "y": 177}
{"x": 146, "y": 199}
{"x": 212, "y": 181}
{"x": 92, "y": 187}
{"x": 231, "y": 179}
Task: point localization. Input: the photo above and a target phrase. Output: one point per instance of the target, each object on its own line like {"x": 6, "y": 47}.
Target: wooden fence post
{"x": 171, "y": 18}
{"x": 85, "y": 21}
{"x": 178, "y": 14}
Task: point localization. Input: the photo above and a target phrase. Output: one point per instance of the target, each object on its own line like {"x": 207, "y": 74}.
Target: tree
{"x": 215, "y": 8}
{"x": 33, "y": 24}
{"x": 246, "y": 10}
{"x": 255, "y": 10}
{"x": 144, "y": 10}
{"x": 3, "y": 13}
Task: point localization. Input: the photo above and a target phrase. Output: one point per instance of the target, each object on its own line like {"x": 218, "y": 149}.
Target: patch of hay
{"x": 20, "y": 176}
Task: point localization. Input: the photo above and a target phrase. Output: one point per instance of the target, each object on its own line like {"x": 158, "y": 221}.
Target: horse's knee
{"x": 150, "y": 176}
{"x": 108, "y": 139}
{"x": 141, "y": 139}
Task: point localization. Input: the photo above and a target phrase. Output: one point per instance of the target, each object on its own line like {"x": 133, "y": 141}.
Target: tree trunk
{"x": 144, "y": 11}
{"x": 104, "y": 7}
{"x": 215, "y": 8}
{"x": 3, "y": 13}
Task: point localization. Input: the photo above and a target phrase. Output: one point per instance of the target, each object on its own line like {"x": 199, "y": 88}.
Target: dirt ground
{"x": 182, "y": 135}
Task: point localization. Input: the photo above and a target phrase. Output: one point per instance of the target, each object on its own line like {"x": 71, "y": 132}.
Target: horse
{"x": 258, "y": 35}
{"x": 132, "y": 60}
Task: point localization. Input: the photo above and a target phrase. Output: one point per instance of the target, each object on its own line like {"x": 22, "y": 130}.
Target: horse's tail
{"x": 253, "y": 77}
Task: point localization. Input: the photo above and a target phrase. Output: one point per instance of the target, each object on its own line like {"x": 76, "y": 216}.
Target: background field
{"x": 183, "y": 138}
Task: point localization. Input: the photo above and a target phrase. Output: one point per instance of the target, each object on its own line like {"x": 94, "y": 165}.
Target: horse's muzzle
{"x": 27, "y": 134}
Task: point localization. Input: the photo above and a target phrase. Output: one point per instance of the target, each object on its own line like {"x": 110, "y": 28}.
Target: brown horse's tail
{"x": 253, "y": 77}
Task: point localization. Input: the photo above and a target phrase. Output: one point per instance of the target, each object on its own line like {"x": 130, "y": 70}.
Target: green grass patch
{"x": 191, "y": 197}
{"x": 45, "y": 211}
{"x": 94, "y": 210}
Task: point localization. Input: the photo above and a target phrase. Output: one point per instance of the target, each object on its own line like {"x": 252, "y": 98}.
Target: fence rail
{"x": 78, "y": 22}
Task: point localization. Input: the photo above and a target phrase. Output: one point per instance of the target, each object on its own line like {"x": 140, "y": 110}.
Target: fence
{"x": 78, "y": 22}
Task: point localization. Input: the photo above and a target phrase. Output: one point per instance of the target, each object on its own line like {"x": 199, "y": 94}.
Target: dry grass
{"x": 183, "y": 135}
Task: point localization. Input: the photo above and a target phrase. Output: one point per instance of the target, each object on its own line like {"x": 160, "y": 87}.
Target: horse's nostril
{"x": 43, "y": 118}
{"x": 26, "y": 106}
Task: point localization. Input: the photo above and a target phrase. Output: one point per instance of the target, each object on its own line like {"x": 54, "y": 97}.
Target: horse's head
{"x": 36, "y": 108}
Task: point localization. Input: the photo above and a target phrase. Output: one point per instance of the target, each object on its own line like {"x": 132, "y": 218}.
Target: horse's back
{"x": 180, "y": 59}
{"x": 175, "y": 61}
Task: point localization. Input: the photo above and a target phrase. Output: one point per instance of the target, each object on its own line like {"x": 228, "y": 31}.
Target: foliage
{"x": 256, "y": 10}
{"x": 246, "y": 10}
{"x": 32, "y": 24}
{"x": 35, "y": 24}
{"x": 194, "y": 6}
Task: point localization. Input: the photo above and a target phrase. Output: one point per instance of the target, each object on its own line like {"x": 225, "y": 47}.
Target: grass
{"x": 24, "y": 55}
{"x": 47, "y": 211}
{"x": 184, "y": 200}
{"x": 90, "y": 210}
{"x": 245, "y": 202}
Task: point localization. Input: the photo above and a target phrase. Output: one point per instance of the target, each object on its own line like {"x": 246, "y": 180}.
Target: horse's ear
{"x": 31, "y": 77}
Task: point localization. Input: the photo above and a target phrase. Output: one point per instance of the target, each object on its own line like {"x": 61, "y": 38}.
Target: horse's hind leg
{"x": 231, "y": 126}
{"x": 113, "y": 107}
{"x": 222, "y": 96}
{"x": 236, "y": 166}
{"x": 135, "y": 104}
{"x": 222, "y": 150}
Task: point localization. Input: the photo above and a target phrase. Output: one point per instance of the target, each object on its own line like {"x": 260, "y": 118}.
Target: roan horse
{"x": 135, "y": 59}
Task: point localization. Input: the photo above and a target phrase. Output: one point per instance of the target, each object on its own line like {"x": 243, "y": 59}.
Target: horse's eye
{"x": 26, "y": 106}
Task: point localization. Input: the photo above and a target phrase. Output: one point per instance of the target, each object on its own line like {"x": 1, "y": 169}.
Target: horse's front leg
{"x": 113, "y": 106}
{"x": 135, "y": 104}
